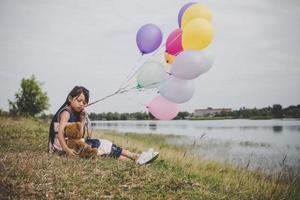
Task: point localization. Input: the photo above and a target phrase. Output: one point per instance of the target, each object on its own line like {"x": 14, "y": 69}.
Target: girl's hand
{"x": 71, "y": 152}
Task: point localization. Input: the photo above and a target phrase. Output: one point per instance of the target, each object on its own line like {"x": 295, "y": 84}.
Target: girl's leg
{"x": 123, "y": 154}
{"x": 130, "y": 155}
{"x": 124, "y": 158}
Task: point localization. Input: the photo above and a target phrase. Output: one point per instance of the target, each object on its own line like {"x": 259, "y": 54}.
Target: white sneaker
{"x": 147, "y": 157}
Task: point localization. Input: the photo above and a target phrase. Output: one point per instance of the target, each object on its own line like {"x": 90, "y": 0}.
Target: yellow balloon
{"x": 197, "y": 10}
{"x": 169, "y": 58}
{"x": 197, "y": 34}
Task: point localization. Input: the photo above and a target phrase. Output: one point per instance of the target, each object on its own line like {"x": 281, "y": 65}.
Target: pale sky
{"x": 92, "y": 43}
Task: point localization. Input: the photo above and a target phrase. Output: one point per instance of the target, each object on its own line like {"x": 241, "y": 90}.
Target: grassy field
{"x": 27, "y": 171}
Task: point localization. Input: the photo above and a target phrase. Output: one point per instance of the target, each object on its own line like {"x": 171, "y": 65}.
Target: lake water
{"x": 269, "y": 145}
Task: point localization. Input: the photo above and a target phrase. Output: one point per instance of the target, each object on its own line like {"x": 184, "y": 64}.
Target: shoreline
{"x": 203, "y": 119}
{"x": 193, "y": 148}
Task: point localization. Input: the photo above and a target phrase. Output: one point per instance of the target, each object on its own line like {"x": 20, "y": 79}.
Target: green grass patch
{"x": 27, "y": 171}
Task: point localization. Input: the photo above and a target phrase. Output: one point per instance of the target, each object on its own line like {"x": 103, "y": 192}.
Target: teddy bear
{"x": 74, "y": 134}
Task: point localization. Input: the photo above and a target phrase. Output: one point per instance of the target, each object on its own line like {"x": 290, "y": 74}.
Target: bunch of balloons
{"x": 185, "y": 52}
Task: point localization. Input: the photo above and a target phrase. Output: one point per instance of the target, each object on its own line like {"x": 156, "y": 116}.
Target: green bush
{"x": 30, "y": 100}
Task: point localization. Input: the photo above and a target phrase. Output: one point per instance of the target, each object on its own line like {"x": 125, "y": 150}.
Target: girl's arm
{"x": 89, "y": 128}
{"x": 64, "y": 118}
{"x": 90, "y": 131}
{"x": 83, "y": 120}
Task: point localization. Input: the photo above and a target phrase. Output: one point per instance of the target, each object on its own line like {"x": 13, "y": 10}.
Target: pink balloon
{"x": 173, "y": 44}
{"x": 162, "y": 108}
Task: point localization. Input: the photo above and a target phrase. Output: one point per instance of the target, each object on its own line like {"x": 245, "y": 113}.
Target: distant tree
{"x": 124, "y": 116}
{"x": 292, "y": 111}
{"x": 182, "y": 115}
{"x": 277, "y": 111}
{"x": 140, "y": 115}
{"x": 93, "y": 116}
{"x": 265, "y": 111}
{"x": 100, "y": 116}
{"x": 116, "y": 116}
{"x": 109, "y": 116}
{"x": 112, "y": 116}
{"x": 30, "y": 100}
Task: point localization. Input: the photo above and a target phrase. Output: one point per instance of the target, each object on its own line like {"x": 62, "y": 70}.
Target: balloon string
{"x": 102, "y": 99}
{"x": 138, "y": 67}
{"x": 133, "y": 71}
{"x": 120, "y": 91}
{"x": 156, "y": 53}
{"x": 125, "y": 84}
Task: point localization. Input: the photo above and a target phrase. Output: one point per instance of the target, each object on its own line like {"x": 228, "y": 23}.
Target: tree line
{"x": 276, "y": 111}
{"x": 130, "y": 116}
{"x": 31, "y": 100}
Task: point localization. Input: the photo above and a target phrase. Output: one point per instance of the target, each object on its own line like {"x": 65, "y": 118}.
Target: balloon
{"x": 169, "y": 58}
{"x": 163, "y": 109}
{"x": 197, "y": 34}
{"x": 190, "y": 64}
{"x": 182, "y": 10}
{"x": 173, "y": 44}
{"x": 150, "y": 75}
{"x": 177, "y": 90}
{"x": 209, "y": 60}
{"x": 148, "y": 38}
{"x": 195, "y": 11}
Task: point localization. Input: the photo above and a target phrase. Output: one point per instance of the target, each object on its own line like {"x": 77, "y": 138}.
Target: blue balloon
{"x": 182, "y": 10}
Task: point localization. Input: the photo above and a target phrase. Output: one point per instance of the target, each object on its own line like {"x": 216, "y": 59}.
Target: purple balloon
{"x": 148, "y": 38}
{"x": 182, "y": 10}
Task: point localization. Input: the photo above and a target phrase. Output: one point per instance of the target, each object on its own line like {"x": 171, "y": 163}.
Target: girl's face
{"x": 77, "y": 103}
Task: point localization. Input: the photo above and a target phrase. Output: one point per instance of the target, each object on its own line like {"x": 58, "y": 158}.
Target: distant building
{"x": 210, "y": 111}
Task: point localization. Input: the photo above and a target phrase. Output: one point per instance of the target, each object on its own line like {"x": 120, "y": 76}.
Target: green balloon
{"x": 150, "y": 75}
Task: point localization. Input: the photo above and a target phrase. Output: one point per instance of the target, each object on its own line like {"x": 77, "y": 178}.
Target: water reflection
{"x": 277, "y": 129}
{"x": 153, "y": 126}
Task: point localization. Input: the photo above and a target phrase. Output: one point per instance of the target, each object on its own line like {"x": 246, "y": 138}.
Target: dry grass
{"x": 27, "y": 171}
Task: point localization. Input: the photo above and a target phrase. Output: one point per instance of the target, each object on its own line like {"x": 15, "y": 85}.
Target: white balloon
{"x": 190, "y": 64}
{"x": 177, "y": 90}
{"x": 209, "y": 60}
{"x": 150, "y": 75}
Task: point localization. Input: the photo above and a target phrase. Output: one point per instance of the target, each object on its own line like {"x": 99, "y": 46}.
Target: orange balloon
{"x": 169, "y": 58}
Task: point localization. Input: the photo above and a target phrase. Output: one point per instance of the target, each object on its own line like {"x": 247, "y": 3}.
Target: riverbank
{"x": 223, "y": 118}
{"x": 28, "y": 171}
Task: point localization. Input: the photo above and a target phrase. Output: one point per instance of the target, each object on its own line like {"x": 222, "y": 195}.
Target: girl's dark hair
{"x": 75, "y": 92}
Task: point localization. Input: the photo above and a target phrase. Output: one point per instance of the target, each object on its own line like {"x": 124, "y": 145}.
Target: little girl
{"x": 73, "y": 111}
